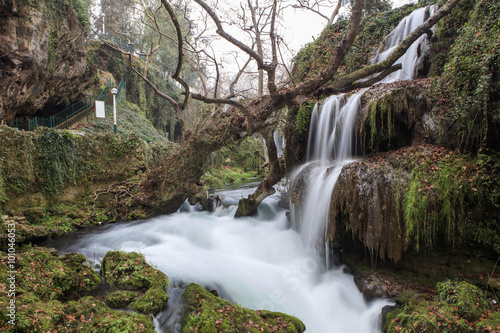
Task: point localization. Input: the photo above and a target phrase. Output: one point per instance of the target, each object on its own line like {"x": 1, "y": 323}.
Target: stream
{"x": 262, "y": 262}
{"x": 257, "y": 262}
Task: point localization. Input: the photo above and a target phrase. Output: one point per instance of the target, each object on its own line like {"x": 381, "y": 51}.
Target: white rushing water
{"x": 332, "y": 140}
{"x": 259, "y": 263}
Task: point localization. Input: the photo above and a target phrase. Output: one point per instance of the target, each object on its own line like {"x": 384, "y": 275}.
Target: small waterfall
{"x": 332, "y": 139}
{"x": 412, "y": 59}
{"x": 331, "y": 146}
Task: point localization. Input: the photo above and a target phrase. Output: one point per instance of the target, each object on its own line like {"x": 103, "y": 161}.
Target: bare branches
{"x": 338, "y": 55}
{"x": 176, "y": 106}
{"x": 271, "y": 83}
{"x": 180, "y": 51}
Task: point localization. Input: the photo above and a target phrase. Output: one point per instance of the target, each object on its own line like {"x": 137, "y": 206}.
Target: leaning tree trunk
{"x": 248, "y": 206}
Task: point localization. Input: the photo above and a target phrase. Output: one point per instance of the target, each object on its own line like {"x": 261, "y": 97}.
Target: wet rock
{"x": 130, "y": 272}
{"x": 43, "y": 57}
{"x": 374, "y": 285}
{"x": 364, "y": 204}
{"x": 205, "y": 312}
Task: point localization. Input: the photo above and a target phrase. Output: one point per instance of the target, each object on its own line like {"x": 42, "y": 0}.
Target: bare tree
{"x": 168, "y": 186}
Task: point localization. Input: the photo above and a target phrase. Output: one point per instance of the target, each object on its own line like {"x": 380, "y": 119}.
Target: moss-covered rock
{"x": 205, "y": 312}
{"x": 51, "y": 294}
{"x": 153, "y": 300}
{"x": 489, "y": 325}
{"x": 467, "y": 300}
{"x": 456, "y": 307}
{"x": 130, "y": 271}
{"x": 49, "y": 276}
{"x": 93, "y": 316}
{"x": 432, "y": 317}
{"x": 120, "y": 298}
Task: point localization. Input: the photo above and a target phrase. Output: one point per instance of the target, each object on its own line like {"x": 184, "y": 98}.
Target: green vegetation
{"x": 471, "y": 79}
{"x": 55, "y": 294}
{"x": 205, "y": 312}
{"x": 303, "y": 119}
{"x": 374, "y": 27}
{"x": 130, "y": 271}
{"x": 234, "y": 163}
{"x": 156, "y": 109}
{"x": 131, "y": 121}
{"x": 457, "y": 307}
{"x": 438, "y": 203}
{"x": 47, "y": 176}
{"x": 226, "y": 175}
{"x": 48, "y": 160}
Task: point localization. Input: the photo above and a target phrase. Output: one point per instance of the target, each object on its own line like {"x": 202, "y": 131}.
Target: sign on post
{"x": 100, "y": 111}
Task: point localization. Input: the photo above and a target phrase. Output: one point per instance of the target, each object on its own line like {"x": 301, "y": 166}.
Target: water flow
{"x": 413, "y": 57}
{"x": 258, "y": 263}
{"x": 330, "y": 138}
{"x": 331, "y": 142}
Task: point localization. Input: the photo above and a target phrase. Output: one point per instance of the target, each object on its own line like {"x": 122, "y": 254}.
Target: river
{"x": 257, "y": 262}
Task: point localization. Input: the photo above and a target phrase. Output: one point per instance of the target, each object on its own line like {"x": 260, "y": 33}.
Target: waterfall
{"x": 332, "y": 139}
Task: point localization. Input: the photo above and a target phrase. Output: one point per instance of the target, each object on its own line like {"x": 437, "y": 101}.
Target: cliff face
{"x": 43, "y": 56}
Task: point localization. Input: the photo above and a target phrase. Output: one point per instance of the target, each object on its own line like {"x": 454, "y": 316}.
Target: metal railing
{"x": 69, "y": 116}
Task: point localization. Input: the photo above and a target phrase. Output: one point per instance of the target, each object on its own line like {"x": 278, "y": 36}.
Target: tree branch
{"x": 338, "y": 55}
{"x": 180, "y": 51}
{"x": 231, "y": 39}
{"x": 177, "y": 109}
{"x": 398, "y": 52}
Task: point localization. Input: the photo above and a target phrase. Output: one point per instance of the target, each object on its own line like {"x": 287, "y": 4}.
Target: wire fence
{"x": 70, "y": 115}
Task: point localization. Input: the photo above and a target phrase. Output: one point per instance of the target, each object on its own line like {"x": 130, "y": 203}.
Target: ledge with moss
{"x": 205, "y": 312}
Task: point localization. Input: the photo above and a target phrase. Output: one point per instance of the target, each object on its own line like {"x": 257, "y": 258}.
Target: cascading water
{"x": 331, "y": 142}
{"x": 259, "y": 263}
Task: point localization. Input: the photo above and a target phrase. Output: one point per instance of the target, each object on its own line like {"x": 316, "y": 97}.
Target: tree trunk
{"x": 248, "y": 206}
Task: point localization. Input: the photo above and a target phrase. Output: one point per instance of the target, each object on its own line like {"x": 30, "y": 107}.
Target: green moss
{"x": 49, "y": 276}
{"x": 432, "y": 317}
{"x": 471, "y": 79}
{"x": 455, "y": 308}
{"x": 303, "y": 119}
{"x": 120, "y": 298}
{"x": 91, "y": 315}
{"x": 467, "y": 299}
{"x": 204, "y": 312}
{"x": 130, "y": 271}
{"x": 489, "y": 325}
{"x": 435, "y": 204}
{"x": 51, "y": 296}
{"x": 151, "y": 302}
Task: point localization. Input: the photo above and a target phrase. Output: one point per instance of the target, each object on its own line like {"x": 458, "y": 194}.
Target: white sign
{"x": 100, "y": 111}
